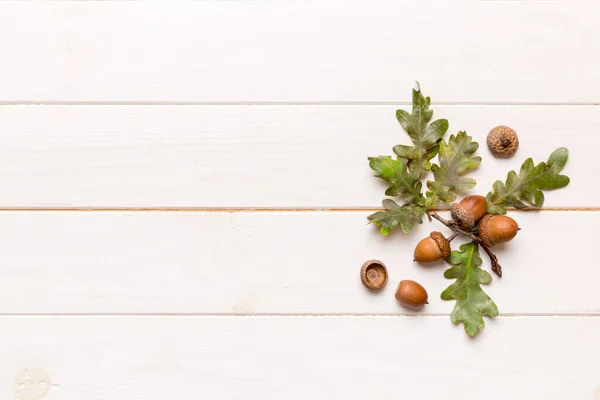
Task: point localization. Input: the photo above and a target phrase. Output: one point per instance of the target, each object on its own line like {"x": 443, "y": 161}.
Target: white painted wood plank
{"x": 256, "y": 156}
{"x": 300, "y": 51}
{"x": 298, "y": 358}
{"x": 270, "y": 263}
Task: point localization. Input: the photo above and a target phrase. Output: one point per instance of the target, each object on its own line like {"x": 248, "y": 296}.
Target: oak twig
{"x": 451, "y": 237}
{"x": 496, "y": 268}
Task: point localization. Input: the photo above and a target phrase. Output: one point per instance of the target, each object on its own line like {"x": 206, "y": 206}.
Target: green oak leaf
{"x": 413, "y": 153}
{"x": 471, "y": 301}
{"x": 403, "y": 183}
{"x": 395, "y": 215}
{"x": 424, "y": 135}
{"x": 456, "y": 159}
{"x": 528, "y": 185}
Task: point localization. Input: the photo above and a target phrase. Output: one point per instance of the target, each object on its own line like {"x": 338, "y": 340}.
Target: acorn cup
{"x": 502, "y": 141}
{"x": 374, "y": 274}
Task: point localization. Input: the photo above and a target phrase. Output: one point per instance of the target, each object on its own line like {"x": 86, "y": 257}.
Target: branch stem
{"x": 451, "y": 237}
{"x": 496, "y": 268}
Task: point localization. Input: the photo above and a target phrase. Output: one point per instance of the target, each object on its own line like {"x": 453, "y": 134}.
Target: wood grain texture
{"x": 257, "y": 156}
{"x": 299, "y": 51}
{"x": 270, "y": 263}
{"x": 299, "y": 358}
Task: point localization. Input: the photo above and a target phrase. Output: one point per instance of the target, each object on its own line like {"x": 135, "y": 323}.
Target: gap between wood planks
{"x": 251, "y": 209}
{"x": 282, "y": 103}
{"x": 268, "y": 315}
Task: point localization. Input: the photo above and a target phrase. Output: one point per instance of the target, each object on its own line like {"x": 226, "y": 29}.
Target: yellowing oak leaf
{"x": 394, "y": 216}
{"x": 404, "y": 183}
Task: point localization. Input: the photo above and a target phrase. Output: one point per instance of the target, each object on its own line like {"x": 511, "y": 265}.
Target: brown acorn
{"x": 432, "y": 248}
{"x": 469, "y": 211}
{"x": 494, "y": 229}
{"x": 411, "y": 294}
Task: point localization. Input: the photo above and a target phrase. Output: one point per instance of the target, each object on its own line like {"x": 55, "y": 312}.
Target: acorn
{"x": 502, "y": 141}
{"x": 469, "y": 211}
{"x": 411, "y": 294}
{"x": 494, "y": 229}
{"x": 432, "y": 248}
{"x": 373, "y": 274}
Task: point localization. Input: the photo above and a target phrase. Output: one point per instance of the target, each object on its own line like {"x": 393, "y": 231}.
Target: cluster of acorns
{"x": 470, "y": 215}
{"x": 492, "y": 229}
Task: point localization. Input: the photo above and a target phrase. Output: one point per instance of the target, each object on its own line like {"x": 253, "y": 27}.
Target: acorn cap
{"x": 442, "y": 243}
{"x": 373, "y": 274}
{"x": 502, "y": 141}
{"x": 483, "y": 230}
{"x": 462, "y": 216}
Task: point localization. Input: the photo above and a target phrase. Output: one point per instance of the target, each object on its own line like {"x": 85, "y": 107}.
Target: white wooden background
{"x": 185, "y": 191}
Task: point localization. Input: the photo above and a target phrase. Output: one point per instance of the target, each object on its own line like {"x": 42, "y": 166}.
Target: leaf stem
{"x": 496, "y": 268}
